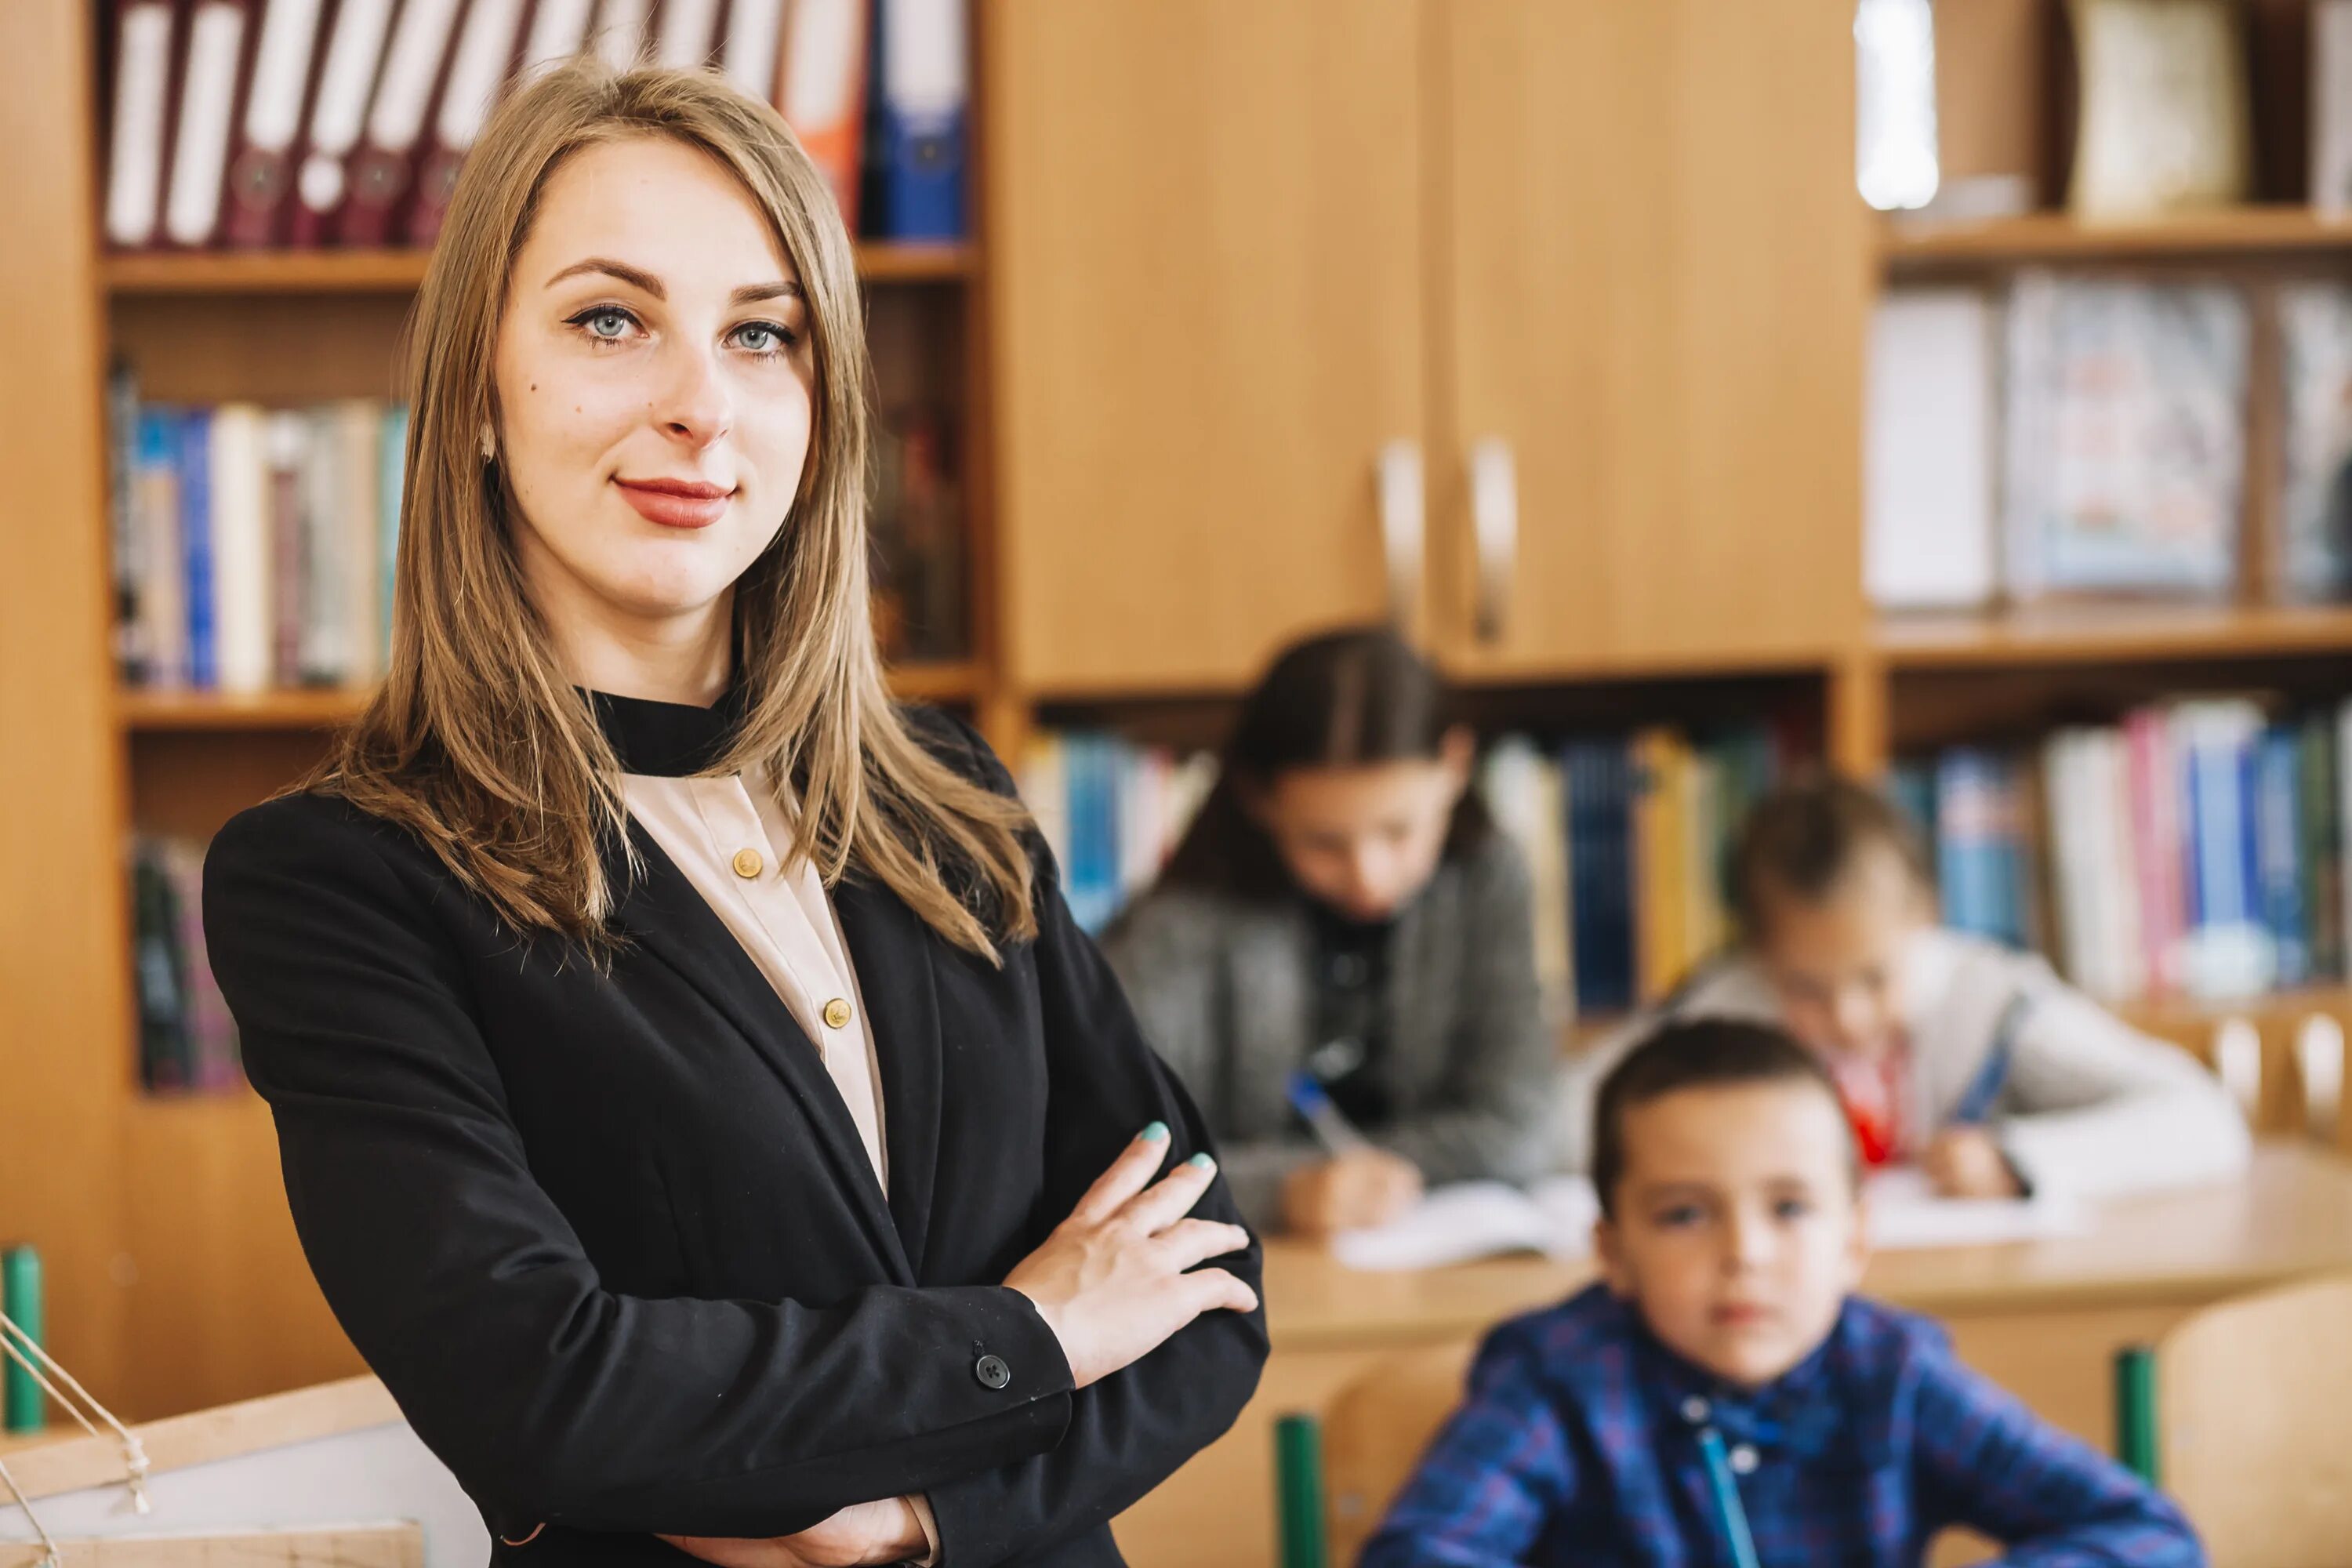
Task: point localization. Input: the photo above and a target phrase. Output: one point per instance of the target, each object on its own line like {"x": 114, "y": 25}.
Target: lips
{"x": 676, "y": 503}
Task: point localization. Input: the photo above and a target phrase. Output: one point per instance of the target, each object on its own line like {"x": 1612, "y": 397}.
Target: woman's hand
{"x": 1111, "y": 1282}
{"x": 863, "y": 1533}
{"x": 1966, "y": 1162}
{"x": 1346, "y": 1192}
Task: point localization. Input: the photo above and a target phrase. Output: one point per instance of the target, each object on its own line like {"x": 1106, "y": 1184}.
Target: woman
{"x": 1342, "y": 908}
{"x": 693, "y": 1096}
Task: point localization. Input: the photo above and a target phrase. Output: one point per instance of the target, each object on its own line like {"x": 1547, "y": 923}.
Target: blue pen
{"x": 1724, "y": 1488}
{"x": 1334, "y": 1132}
{"x": 1975, "y": 1108}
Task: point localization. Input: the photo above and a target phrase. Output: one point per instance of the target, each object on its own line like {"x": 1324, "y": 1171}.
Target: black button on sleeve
{"x": 992, "y": 1371}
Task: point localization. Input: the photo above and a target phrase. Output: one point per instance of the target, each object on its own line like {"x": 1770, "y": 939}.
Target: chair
{"x": 2283, "y": 1058}
{"x": 2243, "y": 1413}
{"x": 1363, "y": 1448}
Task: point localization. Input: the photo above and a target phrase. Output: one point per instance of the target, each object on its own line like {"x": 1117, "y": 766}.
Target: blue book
{"x": 2278, "y": 879}
{"x": 391, "y": 465}
{"x": 1599, "y": 776}
{"x": 1967, "y": 857}
{"x": 1092, "y": 875}
{"x": 923, "y": 79}
{"x": 2231, "y": 951}
{"x": 197, "y": 547}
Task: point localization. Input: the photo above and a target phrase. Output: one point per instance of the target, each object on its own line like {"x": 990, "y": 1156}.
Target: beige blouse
{"x": 731, "y": 841}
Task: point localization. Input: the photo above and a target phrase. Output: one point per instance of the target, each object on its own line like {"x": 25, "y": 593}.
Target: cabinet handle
{"x": 1401, "y": 525}
{"x": 1495, "y": 525}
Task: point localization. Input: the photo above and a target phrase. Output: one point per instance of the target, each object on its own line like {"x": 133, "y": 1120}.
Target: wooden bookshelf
{"x": 137, "y": 709}
{"x": 400, "y": 271}
{"x": 2061, "y": 236}
{"x": 2111, "y": 634}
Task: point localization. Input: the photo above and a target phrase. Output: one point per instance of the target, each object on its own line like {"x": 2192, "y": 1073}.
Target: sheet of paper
{"x": 1905, "y": 1213}
{"x": 1469, "y": 1220}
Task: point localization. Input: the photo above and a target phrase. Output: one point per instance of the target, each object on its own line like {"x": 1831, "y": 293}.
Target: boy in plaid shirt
{"x": 1722, "y": 1399}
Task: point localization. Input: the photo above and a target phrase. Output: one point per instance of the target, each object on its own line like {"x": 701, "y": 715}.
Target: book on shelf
{"x": 270, "y": 123}
{"x": 2312, "y": 557}
{"x": 921, "y": 588}
{"x": 187, "y": 1040}
{"x": 1112, "y": 810}
{"x": 254, "y": 546}
{"x": 1928, "y": 464}
{"x": 2123, "y": 431}
{"x": 2195, "y": 849}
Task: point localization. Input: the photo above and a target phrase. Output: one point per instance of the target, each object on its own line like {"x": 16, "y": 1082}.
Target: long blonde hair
{"x": 478, "y": 741}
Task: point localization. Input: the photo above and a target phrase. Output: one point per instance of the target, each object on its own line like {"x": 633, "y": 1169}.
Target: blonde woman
{"x": 694, "y": 1098}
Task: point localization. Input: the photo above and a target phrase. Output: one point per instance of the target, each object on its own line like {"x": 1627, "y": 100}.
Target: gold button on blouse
{"x": 836, "y": 1013}
{"x": 748, "y": 863}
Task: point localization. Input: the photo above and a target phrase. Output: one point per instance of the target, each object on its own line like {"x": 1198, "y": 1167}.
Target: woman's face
{"x": 1363, "y": 840}
{"x": 654, "y": 389}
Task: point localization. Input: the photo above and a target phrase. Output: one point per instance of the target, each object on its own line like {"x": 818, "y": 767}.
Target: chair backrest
{"x": 1375, "y": 1431}
{"x": 2254, "y": 1400}
{"x": 2283, "y": 1057}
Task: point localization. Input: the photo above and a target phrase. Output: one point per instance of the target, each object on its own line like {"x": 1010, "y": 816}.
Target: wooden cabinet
{"x": 1651, "y": 304}
{"x": 1206, "y": 286}
{"x": 1609, "y": 248}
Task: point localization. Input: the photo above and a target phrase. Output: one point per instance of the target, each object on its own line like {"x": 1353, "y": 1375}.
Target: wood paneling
{"x": 1205, "y": 278}
{"x": 64, "y": 1014}
{"x": 1653, "y": 275}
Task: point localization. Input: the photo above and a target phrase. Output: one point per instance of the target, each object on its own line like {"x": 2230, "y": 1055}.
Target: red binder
{"x": 350, "y": 59}
{"x": 216, "y": 56}
{"x": 383, "y": 167}
{"x": 145, "y": 37}
{"x": 478, "y": 69}
{"x": 285, "y": 74}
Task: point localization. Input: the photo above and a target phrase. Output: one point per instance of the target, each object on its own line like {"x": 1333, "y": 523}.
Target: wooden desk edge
{"x": 77, "y": 1462}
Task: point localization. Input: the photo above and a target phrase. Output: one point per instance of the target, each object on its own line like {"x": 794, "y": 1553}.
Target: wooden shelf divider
{"x": 400, "y": 271}
{"x": 2111, "y": 634}
{"x": 321, "y": 709}
{"x": 2059, "y": 235}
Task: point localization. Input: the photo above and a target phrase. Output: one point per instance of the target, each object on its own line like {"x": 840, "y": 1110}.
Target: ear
{"x": 1457, "y": 749}
{"x": 1609, "y": 1248}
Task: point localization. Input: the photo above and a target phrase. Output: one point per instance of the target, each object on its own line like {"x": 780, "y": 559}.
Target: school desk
{"x": 2044, "y": 1318}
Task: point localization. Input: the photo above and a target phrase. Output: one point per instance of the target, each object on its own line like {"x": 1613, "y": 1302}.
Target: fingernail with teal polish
{"x": 1155, "y": 1134}
{"x": 1202, "y": 1162}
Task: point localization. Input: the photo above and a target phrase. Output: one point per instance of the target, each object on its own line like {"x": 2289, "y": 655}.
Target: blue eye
{"x": 604, "y": 323}
{"x": 765, "y": 339}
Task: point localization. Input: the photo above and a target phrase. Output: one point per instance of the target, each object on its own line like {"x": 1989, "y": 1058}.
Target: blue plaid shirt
{"x": 1579, "y": 1444}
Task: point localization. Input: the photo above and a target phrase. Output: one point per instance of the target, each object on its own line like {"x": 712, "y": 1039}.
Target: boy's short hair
{"x": 1801, "y": 840}
{"x": 1701, "y": 1053}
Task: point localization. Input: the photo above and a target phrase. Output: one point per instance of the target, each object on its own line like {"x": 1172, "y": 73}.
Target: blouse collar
{"x": 667, "y": 739}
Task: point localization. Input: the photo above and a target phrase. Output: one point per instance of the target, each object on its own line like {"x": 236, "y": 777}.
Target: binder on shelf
{"x": 620, "y": 37}
{"x": 477, "y": 69}
{"x": 287, "y": 443}
{"x": 824, "y": 93}
{"x": 261, "y": 171}
{"x": 559, "y": 30}
{"x": 347, "y": 76}
{"x": 139, "y": 128}
{"x": 240, "y": 548}
{"x": 925, "y": 78}
{"x": 213, "y": 69}
{"x": 198, "y": 604}
{"x": 383, "y": 167}
{"x": 748, "y": 55}
{"x": 684, "y": 34}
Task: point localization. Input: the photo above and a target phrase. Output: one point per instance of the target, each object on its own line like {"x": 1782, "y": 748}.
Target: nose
{"x": 697, "y": 407}
{"x": 1746, "y": 1239}
{"x": 1855, "y": 1017}
{"x": 1368, "y": 877}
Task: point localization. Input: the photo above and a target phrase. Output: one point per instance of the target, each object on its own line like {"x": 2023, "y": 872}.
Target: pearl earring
{"x": 490, "y": 445}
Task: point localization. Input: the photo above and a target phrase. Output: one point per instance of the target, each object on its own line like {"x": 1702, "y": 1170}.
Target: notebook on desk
{"x": 1554, "y": 1219}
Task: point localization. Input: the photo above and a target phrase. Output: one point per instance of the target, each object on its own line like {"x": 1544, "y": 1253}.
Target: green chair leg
{"x": 1298, "y": 1485}
{"x": 2136, "y": 1412}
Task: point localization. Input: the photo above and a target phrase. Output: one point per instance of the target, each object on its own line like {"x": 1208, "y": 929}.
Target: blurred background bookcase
{"x": 1227, "y": 261}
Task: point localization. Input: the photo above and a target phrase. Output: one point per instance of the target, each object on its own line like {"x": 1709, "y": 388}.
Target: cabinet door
{"x": 1654, "y": 279}
{"x": 1204, "y": 280}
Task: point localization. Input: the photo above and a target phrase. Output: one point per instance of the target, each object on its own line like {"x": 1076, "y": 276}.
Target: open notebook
{"x": 1554, "y": 1218}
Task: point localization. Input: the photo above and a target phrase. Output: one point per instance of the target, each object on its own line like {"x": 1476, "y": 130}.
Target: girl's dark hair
{"x": 1346, "y": 698}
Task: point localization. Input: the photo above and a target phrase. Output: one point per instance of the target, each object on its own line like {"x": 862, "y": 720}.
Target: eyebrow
{"x": 637, "y": 277}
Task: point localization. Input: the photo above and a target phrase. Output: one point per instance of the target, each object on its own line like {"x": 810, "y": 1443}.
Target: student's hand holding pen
{"x": 1966, "y": 1162}
{"x": 1356, "y": 1188}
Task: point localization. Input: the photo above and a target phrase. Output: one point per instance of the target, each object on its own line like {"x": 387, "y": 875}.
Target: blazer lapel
{"x": 890, "y": 947}
{"x": 666, "y": 916}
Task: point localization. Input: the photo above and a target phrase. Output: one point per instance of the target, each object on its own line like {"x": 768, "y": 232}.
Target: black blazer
{"x": 612, "y": 1243}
